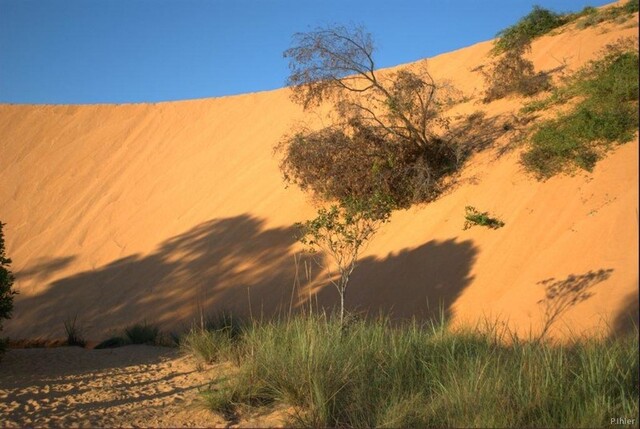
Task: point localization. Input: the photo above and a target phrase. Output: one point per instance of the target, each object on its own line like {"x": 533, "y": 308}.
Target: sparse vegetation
{"x": 142, "y": 333}
{"x": 607, "y": 113}
{"x": 376, "y": 375}
{"x": 6, "y": 283}
{"x": 513, "y": 74}
{"x": 474, "y": 217}
{"x": 591, "y": 16}
{"x": 74, "y": 333}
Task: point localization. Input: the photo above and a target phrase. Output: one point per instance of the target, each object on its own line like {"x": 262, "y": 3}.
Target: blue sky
{"x": 119, "y": 51}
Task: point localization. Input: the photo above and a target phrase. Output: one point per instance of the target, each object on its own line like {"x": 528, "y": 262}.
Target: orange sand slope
{"x": 124, "y": 213}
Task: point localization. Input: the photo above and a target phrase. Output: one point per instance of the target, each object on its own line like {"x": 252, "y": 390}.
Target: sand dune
{"x": 123, "y": 213}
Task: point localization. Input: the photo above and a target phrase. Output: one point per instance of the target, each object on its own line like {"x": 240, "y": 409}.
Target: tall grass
{"x": 74, "y": 332}
{"x": 373, "y": 374}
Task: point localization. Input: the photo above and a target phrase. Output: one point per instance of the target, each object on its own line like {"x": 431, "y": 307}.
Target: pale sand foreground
{"x": 128, "y": 386}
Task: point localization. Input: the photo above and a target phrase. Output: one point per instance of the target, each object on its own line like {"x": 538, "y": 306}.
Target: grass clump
{"x": 142, "y": 333}
{"x": 74, "y": 332}
{"x": 606, "y": 114}
{"x": 208, "y": 346}
{"x": 215, "y": 340}
{"x": 474, "y": 217}
{"x": 373, "y": 374}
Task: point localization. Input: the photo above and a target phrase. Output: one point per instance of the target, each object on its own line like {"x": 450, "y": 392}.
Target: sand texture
{"x": 133, "y": 386}
{"x": 156, "y": 212}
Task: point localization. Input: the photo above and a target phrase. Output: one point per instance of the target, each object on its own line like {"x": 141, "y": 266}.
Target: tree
{"x": 6, "y": 281}
{"x": 393, "y": 114}
{"x": 342, "y": 232}
{"x": 380, "y": 151}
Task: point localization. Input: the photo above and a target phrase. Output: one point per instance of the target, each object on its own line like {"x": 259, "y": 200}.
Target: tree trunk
{"x": 342, "y": 290}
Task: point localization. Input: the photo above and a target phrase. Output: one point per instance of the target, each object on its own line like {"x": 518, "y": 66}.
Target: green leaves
{"x": 538, "y": 22}
{"x": 345, "y": 227}
{"x": 474, "y": 217}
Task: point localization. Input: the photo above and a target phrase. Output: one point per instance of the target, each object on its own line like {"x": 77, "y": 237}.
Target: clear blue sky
{"x": 118, "y": 51}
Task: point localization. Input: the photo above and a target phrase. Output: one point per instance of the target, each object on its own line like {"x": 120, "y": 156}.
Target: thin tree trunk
{"x": 342, "y": 307}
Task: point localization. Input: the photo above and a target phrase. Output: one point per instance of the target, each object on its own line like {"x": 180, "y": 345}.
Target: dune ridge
{"x": 123, "y": 213}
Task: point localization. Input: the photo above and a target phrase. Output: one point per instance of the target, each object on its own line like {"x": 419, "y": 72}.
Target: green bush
{"x": 608, "y": 113}
{"x": 632, "y": 6}
{"x": 375, "y": 374}
{"x": 6, "y": 281}
{"x": 538, "y": 22}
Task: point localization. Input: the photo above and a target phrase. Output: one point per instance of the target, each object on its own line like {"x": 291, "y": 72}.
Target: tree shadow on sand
{"x": 237, "y": 265}
{"x": 561, "y": 295}
{"x": 628, "y": 319}
{"x": 422, "y": 282}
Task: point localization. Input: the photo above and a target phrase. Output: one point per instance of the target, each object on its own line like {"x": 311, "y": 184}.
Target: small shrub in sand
{"x": 474, "y": 217}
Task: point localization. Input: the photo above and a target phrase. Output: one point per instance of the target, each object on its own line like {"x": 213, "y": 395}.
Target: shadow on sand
{"x": 236, "y": 264}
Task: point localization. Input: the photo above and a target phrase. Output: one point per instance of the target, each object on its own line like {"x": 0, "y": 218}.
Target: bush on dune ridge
{"x": 536, "y": 23}
{"x": 541, "y": 21}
